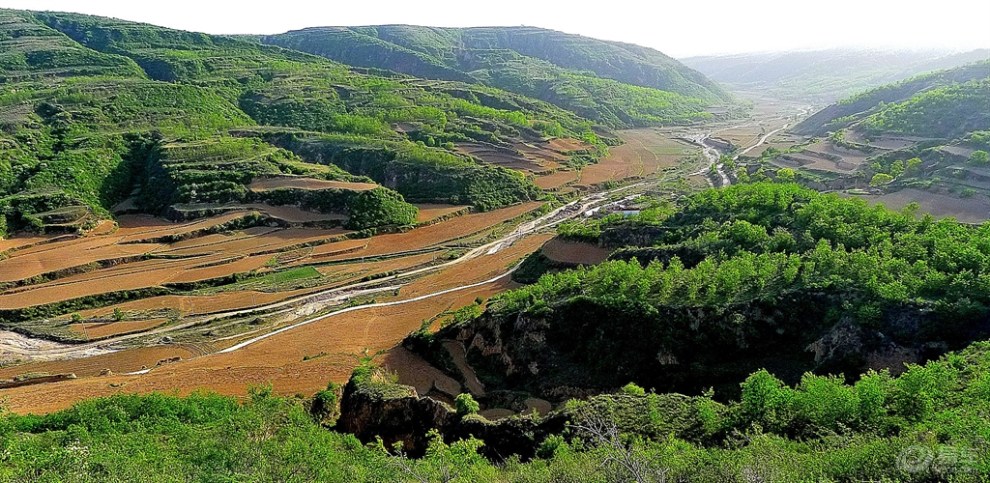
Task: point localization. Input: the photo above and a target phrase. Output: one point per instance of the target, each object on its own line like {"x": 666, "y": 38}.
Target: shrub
{"x": 465, "y": 404}
{"x": 633, "y": 390}
{"x": 881, "y": 179}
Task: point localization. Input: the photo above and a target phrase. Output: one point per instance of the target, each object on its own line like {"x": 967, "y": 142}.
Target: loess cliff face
{"x": 580, "y": 347}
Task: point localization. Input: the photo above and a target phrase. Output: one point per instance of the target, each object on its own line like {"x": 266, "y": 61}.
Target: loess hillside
{"x": 101, "y": 116}
{"x": 615, "y": 84}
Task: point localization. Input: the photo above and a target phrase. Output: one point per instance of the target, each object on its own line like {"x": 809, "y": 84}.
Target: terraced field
{"x": 235, "y": 299}
{"x": 645, "y": 152}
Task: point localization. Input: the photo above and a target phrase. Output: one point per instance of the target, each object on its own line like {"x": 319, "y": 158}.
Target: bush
{"x": 881, "y": 179}
{"x": 465, "y": 404}
{"x": 979, "y": 158}
{"x": 632, "y": 389}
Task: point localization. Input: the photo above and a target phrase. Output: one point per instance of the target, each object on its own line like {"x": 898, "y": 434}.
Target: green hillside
{"x": 873, "y": 102}
{"x": 941, "y": 112}
{"x": 619, "y": 85}
{"x": 88, "y": 103}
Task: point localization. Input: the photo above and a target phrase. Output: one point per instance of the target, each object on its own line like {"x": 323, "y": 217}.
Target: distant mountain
{"x": 826, "y": 75}
{"x": 613, "y": 83}
{"x": 941, "y": 104}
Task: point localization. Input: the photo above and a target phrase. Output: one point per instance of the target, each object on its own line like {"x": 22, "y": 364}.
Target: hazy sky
{"x": 679, "y": 28}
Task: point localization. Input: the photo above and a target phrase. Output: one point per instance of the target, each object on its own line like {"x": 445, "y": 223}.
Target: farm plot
{"x": 102, "y": 330}
{"x": 19, "y": 242}
{"x": 568, "y": 144}
{"x": 121, "y": 362}
{"x": 191, "y": 260}
{"x": 645, "y": 152}
{"x": 353, "y": 272}
{"x": 574, "y": 253}
{"x": 56, "y": 257}
{"x": 299, "y": 182}
{"x": 425, "y": 236}
{"x": 192, "y": 305}
{"x": 817, "y": 161}
{"x": 296, "y": 361}
{"x": 500, "y": 156}
{"x": 557, "y": 179}
{"x": 136, "y": 228}
{"x": 975, "y": 209}
{"x": 429, "y": 213}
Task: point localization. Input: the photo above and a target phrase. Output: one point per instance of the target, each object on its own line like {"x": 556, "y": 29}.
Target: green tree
{"x": 633, "y": 389}
{"x": 979, "y": 158}
{"x": 465, "y": 404}
{"x": 786, "y": 175}
{"x": 881, "y": 179}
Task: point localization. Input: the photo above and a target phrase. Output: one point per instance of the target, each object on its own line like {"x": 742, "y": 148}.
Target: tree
{"x": 786, "y": 175}
{"x": 633, "y": 389}
{"x": 118, "y": 314}
{"x": 881, "y": 179}
{"x": 979, "y": 158}
{"x": 466, "y": 404}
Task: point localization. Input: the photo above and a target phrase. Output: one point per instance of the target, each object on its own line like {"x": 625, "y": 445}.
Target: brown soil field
{"x": 294, "y": 214}
{"x": 430, "y": 212}
{"x": 883, "y": 142}
{"x": 265, "y": 184}
{"x": 556, "y": 179}
{"x": 61, "y": 256}
{"x": 975, "y": 209}
{"x": 351, "y": 272}
{"x": 427, "y": 236}
{"x": 479, "y": 269}
{"x": 21, "y": 242}
{"x": 500, "y": 156}
{"x": 742, "y": 137}
{"x": 279, "y": 359}
{"x": 816, "y": 161}
{"x": 542, "y": 152}
{"x": 125, "y": 361}
{"x": 100, "y": 330}
{"x": 191, "y": 305}
{"x": 254, "y": 240}
{"x": 206, "y": 245}
{"x": 645, "y": 152}
{"x": 568, "y": 144}
{"x": 203, "y": 272}
{"x": 135, "y": 228}
{"x": 228, "y": 260}
{"x": 575, "y": 253}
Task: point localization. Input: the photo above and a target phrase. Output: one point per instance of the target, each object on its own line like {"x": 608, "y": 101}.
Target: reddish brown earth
{"x": 266, "y": 184}
{"x": 575, "y": 253}
{"x": 645, "y": 152}
{"x": 279, "y": 359}
{"x": 556, "y": 179}
{"x": 100, "y": 330}
{"x": 434, "y": 212}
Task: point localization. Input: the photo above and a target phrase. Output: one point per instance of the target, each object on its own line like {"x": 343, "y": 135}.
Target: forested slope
{"x": 619, "y": 85}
